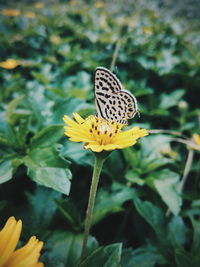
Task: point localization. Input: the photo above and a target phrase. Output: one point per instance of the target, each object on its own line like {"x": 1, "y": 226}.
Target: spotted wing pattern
{"x": 112, "y": 101}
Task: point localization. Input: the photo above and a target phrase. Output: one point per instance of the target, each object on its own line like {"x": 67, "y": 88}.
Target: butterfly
{"x": 112, "y": 101}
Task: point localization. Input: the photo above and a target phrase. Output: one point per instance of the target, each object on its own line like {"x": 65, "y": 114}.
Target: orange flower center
{"x": 104, "y": 131}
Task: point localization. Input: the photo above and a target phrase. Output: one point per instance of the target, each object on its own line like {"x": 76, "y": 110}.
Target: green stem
{"x": 99, "y": 160}
{"x": 115, "y": 55}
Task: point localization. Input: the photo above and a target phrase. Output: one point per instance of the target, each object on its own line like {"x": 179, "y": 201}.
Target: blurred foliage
{"x": 55, "y": 48}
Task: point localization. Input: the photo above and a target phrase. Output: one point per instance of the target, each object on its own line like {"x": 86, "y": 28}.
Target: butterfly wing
{"x": 106, "y": 85}
{"x": 112, "y": 102}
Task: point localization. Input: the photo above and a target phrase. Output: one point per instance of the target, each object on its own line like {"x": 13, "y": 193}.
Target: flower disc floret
{"x": 99, "y": 134}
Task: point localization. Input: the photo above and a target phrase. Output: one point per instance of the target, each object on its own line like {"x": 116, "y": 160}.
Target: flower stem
{"x": 99, "y": 160}
{"x": 188, "y": 166}
{"x": 114, "y": 58}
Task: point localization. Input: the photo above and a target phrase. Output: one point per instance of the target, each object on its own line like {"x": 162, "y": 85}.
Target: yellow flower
{"x": 72, "y": 2}
{"x": 196, "y": 138}
{"x": 11, "y": 12}
{"x": 27, "y": 256}
{"x": 100, "y": 134}
{"x": 9, "y": 64}
{"x": 29, "y": 14}
{"x": 99, "y": 4}
{"x": 38, "y": 5}
{"x": 147, "y": 30}
{"x": 55, "y": 39}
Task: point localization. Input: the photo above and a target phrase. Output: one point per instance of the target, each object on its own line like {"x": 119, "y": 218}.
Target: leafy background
{"x": 143, "y": 215}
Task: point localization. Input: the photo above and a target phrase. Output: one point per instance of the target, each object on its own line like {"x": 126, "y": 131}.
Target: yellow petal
{"x": 9, "y": 64}
{"x": 99, "y": 148}
{"x": 9, "y": 237}
{"x": 79, "y": 132}
{"x": 39, "y": 264}
{"x": 78, "y": 118}
{"x": 29, "y": 14}
{"x": 196, "y": 138}
{"x": 11, "y": 12}
{"x": 38, "y": 5}
{"x": 69, "y": 121}
{"x": 100, "y": 134}
{"x": 28, "y": 255}
{"x": 130, "y": 136}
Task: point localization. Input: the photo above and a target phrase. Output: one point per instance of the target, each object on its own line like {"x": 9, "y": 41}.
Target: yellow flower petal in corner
{"x": 100, "y": 134}
{"x": 9, "y": 64}
{"x": 9, "y": 237}
{"x": 28, "y": 255}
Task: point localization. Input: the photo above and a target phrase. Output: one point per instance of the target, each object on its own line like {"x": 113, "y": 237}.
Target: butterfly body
{"x": 112, "y": 101}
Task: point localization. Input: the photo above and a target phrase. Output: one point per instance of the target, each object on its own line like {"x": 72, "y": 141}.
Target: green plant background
{"x": 141, "y": 218}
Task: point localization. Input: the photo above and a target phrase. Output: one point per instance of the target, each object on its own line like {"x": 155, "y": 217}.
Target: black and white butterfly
{"x": 112, "y": 101}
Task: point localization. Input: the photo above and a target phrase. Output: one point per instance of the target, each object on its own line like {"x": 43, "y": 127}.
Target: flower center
{"x": 103, "y": 131}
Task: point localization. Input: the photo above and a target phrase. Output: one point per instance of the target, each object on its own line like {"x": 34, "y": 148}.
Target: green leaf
{"x": 177, "y": 232}
{"x": 76, "y": 153}
{"x": 11, "y": 107}
{"x": 40, "y": 77}
{"x": 104, "y": 257}
{"x": 56, "y": 178}
{"x": 153, "y": 215}
{"x": 42, "y": 209}
{"x": 64, "y": 248}
{"x": 46, "y": 157}
{"x": 47, "y": 168}
{"x": 166, "y": 184}
{"x": 68, "y": 107}
{"x": 115, "y": 171}
{"x": 70, "y": 212}
{"x": 111, "y": 202}
{"x": 47, "y": 136}
{"x": 7, "y": 168}
{"x": 6, "y": 171}
{"x": 196, "y": 235}
{"x": 184, "y": 259}
{"x": 147, "y": 256}
{"x": 172, "y": 99}
{"x": 134, "y": 178}
{"x": 23, "y": 131}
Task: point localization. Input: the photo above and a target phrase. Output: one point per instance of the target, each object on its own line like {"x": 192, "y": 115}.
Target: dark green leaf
{"x": 177, "y": 232}
{"x": 56, "y": 178}
{"x": 166, "y": 184}
{"x": 153, "y": 215}
{"x": 46, "y": 168}
{"x": 142, "y": 257}
{"x": 108, "y": 202}
{"x": 42, "y": 209}
{"x": 170, "y": 100}
{"x": 47, "y": 136}
{"x": 6, "y": 171}
{"x": 64, "y": 248}
{"x": 104, "y": 257}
